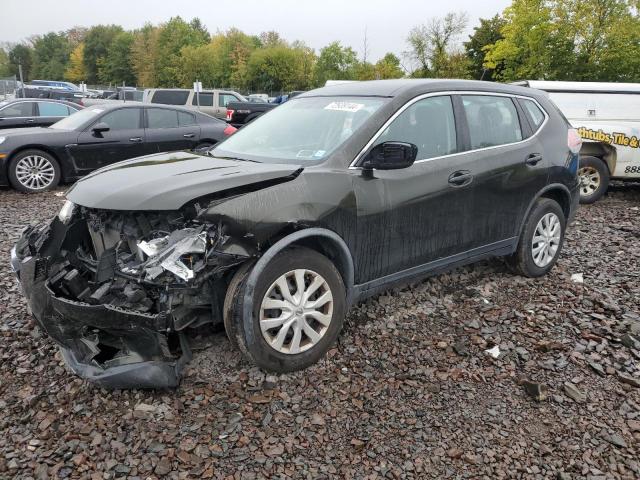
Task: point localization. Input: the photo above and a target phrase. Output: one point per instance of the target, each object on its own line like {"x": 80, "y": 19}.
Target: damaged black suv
{"x": 332, "y": 197}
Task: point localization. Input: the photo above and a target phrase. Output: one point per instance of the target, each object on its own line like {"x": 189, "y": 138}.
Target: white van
{"x": 607, "y": 117}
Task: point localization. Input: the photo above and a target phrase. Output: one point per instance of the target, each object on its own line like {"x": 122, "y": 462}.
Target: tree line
{"x": 596, "y": 40}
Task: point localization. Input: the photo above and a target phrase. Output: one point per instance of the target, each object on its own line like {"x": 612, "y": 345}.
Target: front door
{"x": 18, "y": 115}
{"x": 125, "y": 139}
{"x": 419, "y": 214}
{"x": 168, "y": 130}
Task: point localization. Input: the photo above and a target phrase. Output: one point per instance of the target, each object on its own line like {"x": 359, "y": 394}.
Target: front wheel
{"x": 541, "y": 239}
{"x": 594, "y": 179}
{"x": 298, "y": 306}
{"x": 34, "y": 171}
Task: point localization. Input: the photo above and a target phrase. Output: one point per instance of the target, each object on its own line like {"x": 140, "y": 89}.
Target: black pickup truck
{"x": 241, "y": 113}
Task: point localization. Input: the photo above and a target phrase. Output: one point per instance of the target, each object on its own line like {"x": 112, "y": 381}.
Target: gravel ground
{"x": 409, "y": 391}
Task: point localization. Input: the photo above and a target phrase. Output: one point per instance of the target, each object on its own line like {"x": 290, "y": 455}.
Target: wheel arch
{"x": 42, "y": 148}
{"x": 605, "y": 152}
{"x": 558, "y": 192}
{"x": 324, "y": 241}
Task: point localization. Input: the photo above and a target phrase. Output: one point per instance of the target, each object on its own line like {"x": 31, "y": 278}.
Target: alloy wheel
{"x": 589, "y": 180}
{"x": 296, "y": 311}
{"x": 546, "y": 240}
{"x": 35, "y": 172}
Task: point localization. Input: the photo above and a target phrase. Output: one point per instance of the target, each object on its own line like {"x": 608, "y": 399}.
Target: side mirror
{"x": 390, "y": 156}
{"x": 99, "y": 128}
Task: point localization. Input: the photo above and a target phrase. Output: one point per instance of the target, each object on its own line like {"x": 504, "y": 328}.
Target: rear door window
{"x": 48, "y": 109}
{"x": 206, "y": 99}
{"x": 17, "y": 110}
{"x": 492, "y": 120}
{"x": 185, "y": 119}
{"x": 162, "y": 118}
{"x": 429, "y": 124}
{"x": 170, "y": 97}
{"x": 123, "y": 119}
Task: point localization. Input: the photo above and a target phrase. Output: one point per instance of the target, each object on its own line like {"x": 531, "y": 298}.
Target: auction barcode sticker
{"x": 344, "y": 106}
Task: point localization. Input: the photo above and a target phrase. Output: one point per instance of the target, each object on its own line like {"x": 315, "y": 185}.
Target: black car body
{"x": 99, "y": 136}
{"x": 25, "y": 113}
{"x": 282, "y": 227}
{"x": 51, "y": 94}
{"x": 241, "y": 113}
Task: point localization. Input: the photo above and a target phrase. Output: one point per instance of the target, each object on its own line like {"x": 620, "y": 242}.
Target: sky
{"x": 316, "y": 22}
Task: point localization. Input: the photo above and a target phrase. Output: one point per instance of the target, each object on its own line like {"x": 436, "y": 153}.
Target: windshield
{"x": 78, "y": 119}
{"x": 300, "y": 131}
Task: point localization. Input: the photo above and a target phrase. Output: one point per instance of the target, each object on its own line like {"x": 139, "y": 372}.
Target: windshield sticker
{"x": 345, "y": 106}
{"x": 305, "y": 154}
{"x": 97, "y": 110}
{"x": 319, "y": 153}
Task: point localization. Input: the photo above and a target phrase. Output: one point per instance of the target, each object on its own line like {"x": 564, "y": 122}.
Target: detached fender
{"x": 283, "y": 243}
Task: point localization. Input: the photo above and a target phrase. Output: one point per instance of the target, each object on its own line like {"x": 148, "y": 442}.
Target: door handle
{"x": 533, "y": 159}
{"x": 189, "y": 135}
{"x": 136, "y": 139}
{"x": 460, "y": 178}
{"x": 31, "y": 120}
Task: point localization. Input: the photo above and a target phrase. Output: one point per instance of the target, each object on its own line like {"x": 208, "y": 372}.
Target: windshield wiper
{"x": 232, "y": 158}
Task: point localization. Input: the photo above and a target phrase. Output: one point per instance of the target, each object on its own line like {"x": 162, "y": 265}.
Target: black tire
{"x": 53, "y": 172}
{"x": 594, "y": 179}
{"x": 247, "y": 332}
{"x": 229, "y": 299}
{"x": 522, "y": 261}
{"x": 201, "y": 147}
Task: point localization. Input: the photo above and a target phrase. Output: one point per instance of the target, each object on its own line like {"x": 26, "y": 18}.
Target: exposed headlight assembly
{"x": 66, "y": 212}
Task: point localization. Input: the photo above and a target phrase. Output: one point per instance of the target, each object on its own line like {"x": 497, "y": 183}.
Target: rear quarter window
{"x": 170, "y": 97}
{"x": 535, "y": 114}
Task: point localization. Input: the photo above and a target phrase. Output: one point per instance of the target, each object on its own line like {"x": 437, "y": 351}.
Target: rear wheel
{"x": 34, "y": 171}
{"x": 298, "y": 306}
{"x": 594, "y": 179}
{"x": 541, "y": 239}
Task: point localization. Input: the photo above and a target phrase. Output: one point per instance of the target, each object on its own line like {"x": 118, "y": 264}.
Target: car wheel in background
{"x": 299, "y": 303}
{"x": 34, "y": 171}
{"x": 541, "y": 239}
{"x": 594, "y": 176}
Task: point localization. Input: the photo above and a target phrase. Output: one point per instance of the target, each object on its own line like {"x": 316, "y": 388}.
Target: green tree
{"x": 274, "y": 69}
{"x": 97, "y": 43}
{"x": 388, "y": 67}
{"x": 432, "y": 46}
{"x": 230, "y": 52}
{"x": 76, "y": 71}
{"x": 21, "y": 54}
{"x": 5, "y": 69}
{"x": 144, "y": 55}
{"x": 484, "y": 35}
{"x": 50, "y": 56}
{"x": 336, "y": 62}
{"x": 116, "y": 66}
{"x": 172, "y": 38}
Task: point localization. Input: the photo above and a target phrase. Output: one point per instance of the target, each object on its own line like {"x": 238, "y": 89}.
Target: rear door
{"x": 125, "y": 139}
{"x": 18, "y": 115}
{"x": 509, "y": 166}
{"x": 205, "y": 102}
{"x": 169, "y": 130}
{"x": 49, "y": 113}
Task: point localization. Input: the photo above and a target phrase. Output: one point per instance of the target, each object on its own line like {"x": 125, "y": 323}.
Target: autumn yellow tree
{"x": 76, "y": 71}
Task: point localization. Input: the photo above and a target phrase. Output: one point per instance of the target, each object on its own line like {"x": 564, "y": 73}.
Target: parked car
{"x": 241, "y": 113}
{"x": 121, "y": 96}
{"x": 24, "y": 113}
{"x": 37, "y": 159}
{"x": 51, "y": 94}
{"x": 212, "y": 102}
{"x": 332, "y": 197}
{"x": 607, "y": 117}
{"x": 54, "y": 84}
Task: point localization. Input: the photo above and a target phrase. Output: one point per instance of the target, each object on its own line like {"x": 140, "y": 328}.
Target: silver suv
{"x": 211, "y": 102}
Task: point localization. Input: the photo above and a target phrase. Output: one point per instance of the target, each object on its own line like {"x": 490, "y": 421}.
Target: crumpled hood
{"x": 166, "y": 181}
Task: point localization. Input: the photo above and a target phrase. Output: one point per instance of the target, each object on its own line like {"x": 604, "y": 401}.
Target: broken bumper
{"x": 109, "y": 346}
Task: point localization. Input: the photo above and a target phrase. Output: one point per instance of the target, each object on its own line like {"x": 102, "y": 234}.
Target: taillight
{"x": 574, "y": 140}
{"x": 230, "y": 130}
{"x": 229, "y": 114}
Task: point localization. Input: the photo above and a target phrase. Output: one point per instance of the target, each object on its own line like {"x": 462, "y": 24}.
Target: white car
{"x": 607, "y": 117}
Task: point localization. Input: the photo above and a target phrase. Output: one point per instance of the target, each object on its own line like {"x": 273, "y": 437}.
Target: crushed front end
{"x": 117, "y": 290}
